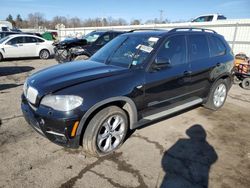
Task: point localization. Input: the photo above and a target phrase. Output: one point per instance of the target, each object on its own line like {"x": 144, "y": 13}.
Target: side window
{"x": 104, "y": 39}
{"x": 209, "y": 18}
{"x": 173, "y": 50}
{"x": 16, "y": 40}
{"x": 30, "y": 40}
{"x": 216, "y": 46}
{"x": 197, "y": 47}
{"x": 39, "y": 40}
{"x": 200, "y": 19}
{"x": 222, "y": 18}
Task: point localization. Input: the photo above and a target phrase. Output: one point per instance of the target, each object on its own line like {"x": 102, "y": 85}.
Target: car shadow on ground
{"x": 6, "y": 71}
{"x": 187, "y": 163}
{"x": 8, "y": 86}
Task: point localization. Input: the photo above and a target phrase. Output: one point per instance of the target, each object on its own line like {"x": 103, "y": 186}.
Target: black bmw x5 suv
{"x": 136, "y": 78}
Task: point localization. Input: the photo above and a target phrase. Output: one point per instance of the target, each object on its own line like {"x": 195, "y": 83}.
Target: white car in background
{"x": 209, "y": 18}
{"x": 21, "y": 45}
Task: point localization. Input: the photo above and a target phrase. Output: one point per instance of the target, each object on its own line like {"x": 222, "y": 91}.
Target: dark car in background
{"x": 81, "y": 49}
{"x": 7, "y": 33}
{"x": 135, "y": 79}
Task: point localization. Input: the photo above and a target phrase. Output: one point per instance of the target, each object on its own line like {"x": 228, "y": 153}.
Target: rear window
{"x": 198, "y": 47}
{"x": 216, "y": 46}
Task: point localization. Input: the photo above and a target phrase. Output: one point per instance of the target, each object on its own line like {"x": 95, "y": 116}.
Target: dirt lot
{"x": 194, "y": 149}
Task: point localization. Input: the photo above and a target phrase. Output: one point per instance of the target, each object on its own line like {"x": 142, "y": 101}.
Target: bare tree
{"x": 35, "y": 20}
{"x": 135, "y": 22}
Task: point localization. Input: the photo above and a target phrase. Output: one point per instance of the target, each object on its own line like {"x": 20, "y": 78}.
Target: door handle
{"x": 20, "y": 44}
{"x": 187, "y": 73}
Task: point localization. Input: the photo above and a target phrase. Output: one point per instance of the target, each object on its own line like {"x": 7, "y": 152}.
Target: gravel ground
{"x": 196, "y": 148}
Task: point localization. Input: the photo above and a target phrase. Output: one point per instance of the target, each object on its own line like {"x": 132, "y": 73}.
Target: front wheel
{"x": 217, "y": 95}
{"x": 44, "y": 54}
{"x": 105, "y": 132}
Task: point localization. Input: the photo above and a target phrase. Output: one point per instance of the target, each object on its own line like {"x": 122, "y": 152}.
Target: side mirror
{"x": 161, "y": 63}
{"x": 9, "y": 43}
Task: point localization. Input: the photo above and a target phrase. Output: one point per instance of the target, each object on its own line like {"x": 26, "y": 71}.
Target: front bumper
{"x": 56, "y": 126}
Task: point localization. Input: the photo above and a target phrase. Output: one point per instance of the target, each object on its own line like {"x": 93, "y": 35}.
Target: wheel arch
{"x": 43, "y": 48}
{"x": 124, "y": 103}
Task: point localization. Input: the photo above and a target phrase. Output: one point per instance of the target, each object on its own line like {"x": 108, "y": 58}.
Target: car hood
{"x": 68, "y": 74}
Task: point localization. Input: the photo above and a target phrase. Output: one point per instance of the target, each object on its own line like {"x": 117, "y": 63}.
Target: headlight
{"x": 25, "y": 88}
{"x": 62, "y": 102}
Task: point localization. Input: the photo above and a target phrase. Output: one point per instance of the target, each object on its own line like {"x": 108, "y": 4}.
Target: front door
{"x": 168, "y": 85}
{"x": 14, "y": 48}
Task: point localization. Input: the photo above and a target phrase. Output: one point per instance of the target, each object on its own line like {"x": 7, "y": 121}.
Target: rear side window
{"x": 39, "y": 40}
{"x": 216, "y": 46}
{"x": 198, "y": 47}
{"x": 222, "y": 18}
{"x": 30, "y": 40}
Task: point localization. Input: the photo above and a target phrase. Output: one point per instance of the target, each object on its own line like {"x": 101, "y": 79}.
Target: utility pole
{"x": 161, "y": 15}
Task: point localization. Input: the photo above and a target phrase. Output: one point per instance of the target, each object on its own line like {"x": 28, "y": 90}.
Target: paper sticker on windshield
{"x": 147, "y": 49}
{"x": 153, "y": 39}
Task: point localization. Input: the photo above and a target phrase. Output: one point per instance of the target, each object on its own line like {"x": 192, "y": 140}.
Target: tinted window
{"x": 216, "y": 46}
{"x": 104, "y": 39}
{"x": 209, "y": 18}
{"x": 39, "y": 40}
{"x": 30, "y": 40}
{"x": 222, "y": 18}
{"x": 173, "y": 50}
{"x": 16, "y": 40}
{"x": 198, "y": 47}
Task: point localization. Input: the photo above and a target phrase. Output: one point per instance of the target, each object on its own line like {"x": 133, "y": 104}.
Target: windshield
{"x": 126, "y": 50}
{"x": 4, "y": 39}
{"x": 92, "y": 37}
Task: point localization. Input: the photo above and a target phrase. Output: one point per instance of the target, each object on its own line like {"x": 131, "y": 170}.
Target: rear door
{"x": 201, "y": 64}
{"x": 31, "y": 46}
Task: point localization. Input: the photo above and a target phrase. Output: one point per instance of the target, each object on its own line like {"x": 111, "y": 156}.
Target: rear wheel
{"x": 44, "y": 54}
{"x": 105, "y": 132}
{"x": 246, "y": 83}
{"x": 217, "y": 95}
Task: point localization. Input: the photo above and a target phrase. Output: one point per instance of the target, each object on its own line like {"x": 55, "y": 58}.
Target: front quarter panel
{"x": 126, "y": 86}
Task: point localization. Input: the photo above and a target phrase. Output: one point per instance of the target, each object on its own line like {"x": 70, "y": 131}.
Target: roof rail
{"x": 145, "y": 29}
{"x": 192, "y": 29}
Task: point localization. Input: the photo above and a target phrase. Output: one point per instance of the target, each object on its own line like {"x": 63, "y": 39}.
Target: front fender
{"x": 130, "y": 107}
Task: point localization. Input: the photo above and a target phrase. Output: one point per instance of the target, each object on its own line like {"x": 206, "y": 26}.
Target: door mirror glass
{"x": 161, "y": 63}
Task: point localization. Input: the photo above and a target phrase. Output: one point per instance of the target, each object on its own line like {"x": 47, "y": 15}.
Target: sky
{"x": 143, "y": 10}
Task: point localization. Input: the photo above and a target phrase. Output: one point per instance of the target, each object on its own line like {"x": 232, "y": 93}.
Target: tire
{"x": 246, "y": 83}
{"x": 1, "y": 57}
{"x": 236, "y": 80}
{"x": 100, "y": 137}
{"x": 81, "y": 57}
{"x": 44, "y": 54}
{"x": 217, "y": 95}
